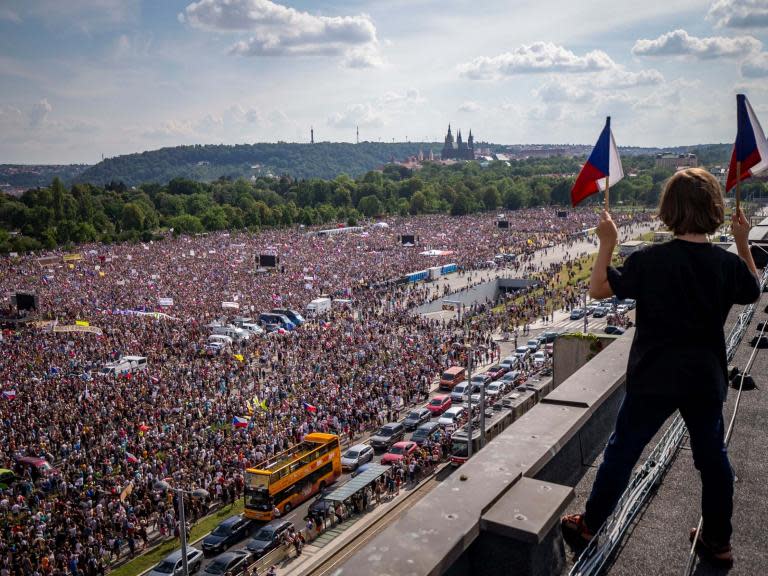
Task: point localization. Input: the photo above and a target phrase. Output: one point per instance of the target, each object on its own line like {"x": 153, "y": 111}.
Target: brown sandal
{"x": 720, "y": 556}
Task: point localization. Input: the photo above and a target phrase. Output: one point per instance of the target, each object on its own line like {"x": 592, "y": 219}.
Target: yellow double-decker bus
{"x": 287, "y": 479}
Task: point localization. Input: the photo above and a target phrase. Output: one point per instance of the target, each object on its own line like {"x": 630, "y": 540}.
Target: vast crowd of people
{"x": 108, "y": 439}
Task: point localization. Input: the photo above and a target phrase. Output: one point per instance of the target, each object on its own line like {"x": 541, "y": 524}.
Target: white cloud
{"x": 621, "y": 78}
{"x": 739, "y": 13}
{"x": 38, "y": 114}
{"x": 756, "y": 66}
{"x": 536, "y": 58}
{"x": 365, "y": 114}
{"x": 469, "y": 106}
{"x": 680, "y": 43}
{"x": 86, "y": 15}
{"x": 279, "y": 30}
{"x": 410, "y": 96}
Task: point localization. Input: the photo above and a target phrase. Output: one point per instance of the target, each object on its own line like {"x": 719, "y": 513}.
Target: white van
{"x": 235, "y": 333}
{"x": 252, "y": 328}
{"x": 318, "y": 306}
{"x": 125, "y": 365}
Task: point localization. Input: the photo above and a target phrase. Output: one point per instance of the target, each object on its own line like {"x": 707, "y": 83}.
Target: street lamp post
{"x": 586, "y": 316}
{"x": 162, "y": 485}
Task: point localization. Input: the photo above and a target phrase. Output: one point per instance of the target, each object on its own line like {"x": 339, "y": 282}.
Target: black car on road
{"x": 229, "y": 532}
{"x": 233, "y": 563}
{"x": 268, "y": 538}
{"x": 416, "y": 418}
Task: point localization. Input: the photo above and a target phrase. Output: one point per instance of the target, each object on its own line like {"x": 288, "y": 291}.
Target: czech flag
{"x": 239, "y": 422}
{"x": 603, "y": 162}
{"x": 309, "y": 408}
{"x": 130, "y": 458}
{"x": 751, "y": 148}
{"x": 9, "y": 394}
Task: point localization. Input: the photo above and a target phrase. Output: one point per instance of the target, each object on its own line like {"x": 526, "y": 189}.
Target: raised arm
{"x": 608, "y": 236}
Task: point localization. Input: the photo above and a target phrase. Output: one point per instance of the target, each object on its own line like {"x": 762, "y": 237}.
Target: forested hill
{"x": 211, "y": 162}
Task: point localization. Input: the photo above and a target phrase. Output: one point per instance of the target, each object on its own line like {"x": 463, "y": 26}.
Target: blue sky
{"x": 82, "y": 78}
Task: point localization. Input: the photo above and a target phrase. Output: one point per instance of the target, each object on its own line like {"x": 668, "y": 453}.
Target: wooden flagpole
{"x": 607, "y": 192}
{"x": 738, "y": 186}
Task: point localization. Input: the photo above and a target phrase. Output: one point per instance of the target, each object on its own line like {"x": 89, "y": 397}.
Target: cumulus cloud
{"x": 278, "y": 30}
{"x": 469, "y": 106}
{"x": 537, "y": 58}
{"x": 739, "y": 13}
{"x": 756, "y": 66}
{"x": 680, "y": 43}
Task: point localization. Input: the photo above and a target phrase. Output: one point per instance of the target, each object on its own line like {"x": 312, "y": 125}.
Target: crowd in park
{"x": 108, "y": 439}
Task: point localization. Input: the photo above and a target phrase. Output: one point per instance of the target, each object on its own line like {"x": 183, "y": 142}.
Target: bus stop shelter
{"x": 359, "y": 482}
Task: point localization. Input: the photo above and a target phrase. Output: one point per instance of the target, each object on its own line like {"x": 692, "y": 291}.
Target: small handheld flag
{"x": 239, "y": 422}
{"x": 309, "y": 408}
{"x": 750, "y": 151}
{"x": 602, "y": 169}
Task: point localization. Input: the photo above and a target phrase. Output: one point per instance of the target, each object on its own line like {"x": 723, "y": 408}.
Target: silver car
{"x": 172, "y": 565}
{"x": 356, "y": 456}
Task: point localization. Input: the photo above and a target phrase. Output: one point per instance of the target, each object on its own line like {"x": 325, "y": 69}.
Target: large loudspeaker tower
{"x": 562, "y": 214}
{"x": 26, "y": 301}
{"x": 503, "y": 224}
{"x": 408, "y": 239}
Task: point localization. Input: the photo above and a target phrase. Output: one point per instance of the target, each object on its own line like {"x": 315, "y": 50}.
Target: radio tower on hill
{"x": 357, "y": 134}
{"x": 311, "y": 135}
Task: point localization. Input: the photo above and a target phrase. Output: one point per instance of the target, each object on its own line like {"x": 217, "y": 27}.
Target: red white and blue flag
{"x": 9, "y": 394}
{"x": 239, "y": 422}
{"x": 751, "y": 148}
{"x": 309, "y": 408}
{"x": 603, "y": 163}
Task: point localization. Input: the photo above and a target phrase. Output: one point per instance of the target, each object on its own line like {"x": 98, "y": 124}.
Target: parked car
{"x": 577, "y": 313}
{"x": 522, "y": 352}
{"x": 451, "y": 417}
{"x": 496, "y": 371}
{"x": 416, "y": 418}
{"x": 426, "y": 431}
{"x": 321, "y": 505}
{"x": 268, "y": 538}
{"x": 292, "y": 315}
{"x": 482, "y": 379}
{"x": 533, "y": 344}
{"x": 233, "y": 563}
{"x": 600, "y": 312}
{"x": 172, "y": 564}
{"x": 399, "y": 451}
{"x": 439, "y": 404}
{"x": 630, "y": 303}
{"x": 539, "y": 358}
{"x": 615, "y": 330}
{"x": 387, "y": 435}
{"x": 228, "y": 532}
{"x": 548, "y": 337}
{"x": 356, "y": 456}
{"x": 510, "y": 377}
{"x": 458, "y": 391}
{"x": 495, "y": 391}
{"x": 509, "y": 362}
{"x": 38, "y": 467}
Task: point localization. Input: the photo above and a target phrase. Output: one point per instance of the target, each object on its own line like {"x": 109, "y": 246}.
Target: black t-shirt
{"x": 684, "y": 291}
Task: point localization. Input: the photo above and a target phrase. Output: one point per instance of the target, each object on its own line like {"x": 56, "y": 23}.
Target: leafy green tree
{"x": 370, "y": 206}
{"x": 460, "y": 206}
{"x": 132, "y": 217}
{"x": 215, "y": 218}
{"x": 491, "y": 197}
{"x": 186, "y": 224}
{"x": 418, "y": 204}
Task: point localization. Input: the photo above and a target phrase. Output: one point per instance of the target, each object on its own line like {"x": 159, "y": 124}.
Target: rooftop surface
{"x": 658, "y": 542}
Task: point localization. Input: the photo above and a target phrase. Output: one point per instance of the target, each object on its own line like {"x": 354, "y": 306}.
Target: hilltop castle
{"x": 462, "y": 150}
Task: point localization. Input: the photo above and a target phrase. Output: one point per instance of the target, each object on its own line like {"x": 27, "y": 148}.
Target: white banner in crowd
{"x": 165, "y": 301}
{"x": 230, "y": 305}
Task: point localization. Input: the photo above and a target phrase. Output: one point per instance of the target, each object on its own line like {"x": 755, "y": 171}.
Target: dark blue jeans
{"x": 639, "y": 418}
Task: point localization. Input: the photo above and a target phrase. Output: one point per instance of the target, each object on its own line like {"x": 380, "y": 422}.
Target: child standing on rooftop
{"x": 684, "y": 290}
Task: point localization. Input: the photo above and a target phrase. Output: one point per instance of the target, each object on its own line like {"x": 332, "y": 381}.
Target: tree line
{"x": 57, "y": 215}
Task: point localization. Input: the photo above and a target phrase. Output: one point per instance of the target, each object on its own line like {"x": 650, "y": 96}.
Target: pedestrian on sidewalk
{"x": 684, "y": 291}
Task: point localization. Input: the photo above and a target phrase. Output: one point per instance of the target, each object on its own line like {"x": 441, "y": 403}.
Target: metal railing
{"x": 597, "y": 554}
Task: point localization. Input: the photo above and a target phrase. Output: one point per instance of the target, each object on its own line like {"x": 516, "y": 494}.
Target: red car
{"x": 496, "y": 371}
{"x": 399, "y": 451}
{"x": 439, "y": 404}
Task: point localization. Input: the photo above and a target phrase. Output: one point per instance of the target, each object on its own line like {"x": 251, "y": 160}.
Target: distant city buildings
{"x": 676, "y": 161}
{"x": 461, "y": 151}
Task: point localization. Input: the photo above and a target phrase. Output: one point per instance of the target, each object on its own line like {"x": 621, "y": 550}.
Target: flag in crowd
{"x": 9, "y": 394}
{"x": 602, "y": 168}
{"x": 750, "y": 149}
{"x": 309, "y": 408}
{"x": 239, "y": 422}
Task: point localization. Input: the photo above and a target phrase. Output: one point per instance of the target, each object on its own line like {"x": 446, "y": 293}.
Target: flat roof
{"x": 758, "y": 233}
{"x": 357, "y": 483}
